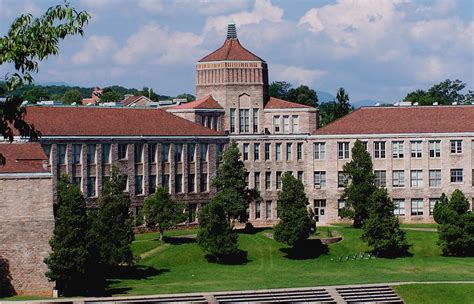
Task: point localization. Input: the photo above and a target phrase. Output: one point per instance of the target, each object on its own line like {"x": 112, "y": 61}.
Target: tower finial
{"x": 231, "y": 31}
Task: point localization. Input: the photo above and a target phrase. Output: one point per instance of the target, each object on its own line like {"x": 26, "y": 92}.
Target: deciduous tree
{"x": 303, "y": 95}
{"x": 72, "y": 96}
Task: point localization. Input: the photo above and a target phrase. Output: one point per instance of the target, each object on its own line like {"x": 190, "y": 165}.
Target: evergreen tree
{"x": 112, "y": 228}
{"x": 231, "y": 185}
{"x": 360, "y": 187}
{"x": 296, "y": 222}
{"x": 162, "y": 211}
{"x": 382, "y": 229}
{"x": 69, "y": 258}
{"x": 215, "y": 236}
{"x": 343, "y": 105}
{"x": 456, "y": 225}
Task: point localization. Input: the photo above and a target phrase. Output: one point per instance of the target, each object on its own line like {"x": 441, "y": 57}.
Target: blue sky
{"x": 377, "y": 50}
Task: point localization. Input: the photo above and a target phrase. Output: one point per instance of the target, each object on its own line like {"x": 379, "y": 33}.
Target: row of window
{"x": 268, "y": 179}
{"x": 244, "y": 120}
{"x": 263, "y": 214}
{"x": 291, "y": 124}
{"x": 398, "y": 149}
{"x": 277, "y": 152}
{"x": 76, "y": 153}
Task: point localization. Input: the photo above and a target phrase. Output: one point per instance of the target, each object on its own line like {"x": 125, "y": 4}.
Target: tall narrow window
{"x": 191, "y": 183}
{"x": 416, "y": 149}
{"x": 122, "y": 151}
{"x": 268, "y": 178}
{"x": 432, "y": 203}
{"x": 165, "y": 152}
{"x": 257, "y": 210}
{"x": 397, "y": 149}
{"x": 151, "y": 153}
{"x": 151, "y": 184}
{"x": 191, "y": 152}
{"x": 245, "y": 154}
{"x": 178, "y": 183}
{"x": 76, "y": 154}
{"x": 278, "y": 151}
{"x": 138, "y": 184}
{"x": 299, "y": 151}
{"x": 342, "y": 150}
{"x": 256, "y": 180}
{"x": 278, "y": 180}
{"x": 256, "y": 151}
{"x": 289, "y": 147}
{"x": 399, "y": 207}
{"x": 204, "y": 150}
{"x": 286, "y": 124}
{"x": 268, "y": 209}
{"x": 435, "y": 148}
{"x": 255, "y": 120}
{"x": 267, "y": 151}
{"x": 139, "y": 153}
{"x": 296, "y": 124}
{"x": 204, "y": 182}
{"x": 244, "y": 120}
{"x": 91, "y": 187}
{"x": 341, "y": 204}
{"x": 232, "y": 120}
{"x": 61, "y": 154}
{"x": 220, "y": 150}
{"x": 341, "y": 179}
{"x": 276, "y": 124}
{"x": 91, "y": 154}
{"x": 178, "y": 153}
{"x": 106, "y": 153}
{"x": 379, "y": 149}
{"x": 165, "y": 181}
{"x": 319, "y": 150}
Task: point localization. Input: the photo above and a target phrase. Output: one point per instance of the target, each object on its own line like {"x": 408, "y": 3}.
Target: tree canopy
{"x": 302, "y": 94}
{"x": 443, "y": 93}
{"x": 72, "y": 96}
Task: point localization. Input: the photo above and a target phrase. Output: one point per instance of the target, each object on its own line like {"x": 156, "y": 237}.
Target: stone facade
{"x": 26, "y": 226}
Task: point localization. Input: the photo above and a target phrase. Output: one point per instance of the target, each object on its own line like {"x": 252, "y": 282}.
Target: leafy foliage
{"x": 189, "y": 97}
{"x": 112, "y": 228}
{"x": 35, "y": 94}
{"x": 72, "y": 96}
{"x": 445, "y": 92}
{"x": 303, "y": 95}
{"x": 382, "y": 229}
{"x": 456, "y": 225}
{"x": 332, "y": 110}
{"x": 360, "y": 187}
{"x": 215, "y": 236}
{"x": 231, "y": 186}
{"x": 296, "y": 222}
{"x": 279, "y": 89}
{"x": 162, "y": 211}
{"x": 109, "y": 95}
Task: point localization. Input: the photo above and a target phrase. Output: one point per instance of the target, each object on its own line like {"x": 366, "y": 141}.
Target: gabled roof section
{"x": 207, "y": 102}
{"x": 275, "y": 103}
{"x": 23, "y": 158}
{"x": 403, "y": 120}
{"x": 231, "y": 50}
{"x": 101, "y": 121}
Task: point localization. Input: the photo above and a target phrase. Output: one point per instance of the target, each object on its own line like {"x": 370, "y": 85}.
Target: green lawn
{"x": 436, "y": 293}
{"x": 179, "y": 266}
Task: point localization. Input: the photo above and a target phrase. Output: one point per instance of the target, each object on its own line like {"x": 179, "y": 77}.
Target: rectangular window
{"x": 267, "y": 151}
{"x": 91, "y": 187}
{"x": 341, "y": 179}
{"x": 204, "y": 182}
{"x": 278, "y": 180}
{"x": 151, "y": 184}
{"x": 435, "y": 178}
{"x": 76, "y": 180}
{"x": 47, "y": 151}
{"x": 286, "y": 124}
{"x": 191, "y": 183}
{"x": 398, "y": 178}
{"x": 320, "y": 203}
{"x": 192, "y": 211}
{"x": 435, "y": 148}
{"x": 399, "y": 205}
{"x": 380, "y": 178}
{"x": 139, "y": 153}
{"x": 204, "y": 149}
{"x": 122, "y": 151}
{"x": 398, "y": 149}
{"x": 151, "y": 153}
{"x": 220, "y": 150}
{"x": 246, "y": 179}
{"x": 76, "y": 154}
{"x": 278, "y": 151}
{"x": 232, "y": 120}
{"x": 91, "y": 154}
{"x": 340, "y": 205}
{"x": 268, "y": 209}
{"x": 456, "y": 176}
{"x": 319, "y": 179}
{"x": 432, "y": 205}
{"x": 342, "y": 150}
{"x": 300, "y": 176}
{"x": 256, "y": 180}
{"x": 416, "y": 178}
{"x": 256, "y": 151}
{"x": 416, "y": 149}
{"x": 138, "y": 184}
{"x": 288, "y": 151}
{"x": 106, "y": 153}
{"x": 456, "y": 146}
{"x": 191, "y": 152}
{"x": 299, "y": 151}
{"x": 165, "y": 181}
{"x": 178, "y": 153}
{"x": 296, "y": 123}
{"x": 165, "y": 152}
{"x": 379, "y": 149}
{"x": 178, "y": 183}
{"x": 244, "y": 120}
{"x": 319, "y": 150}
{"x": 276, "y": 124}
{"x": 257, "y": 210}
{"x": 268, "y": 179}
{"x": 255, "y": 120}
{"x": 245, "y": 152}
{"x": 416, "y": 206}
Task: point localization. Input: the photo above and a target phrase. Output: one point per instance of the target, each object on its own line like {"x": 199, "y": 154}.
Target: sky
{"x": 378, "y": 50}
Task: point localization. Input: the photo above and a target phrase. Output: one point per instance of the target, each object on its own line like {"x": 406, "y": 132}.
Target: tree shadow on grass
{"x": 179, "y": 240}
{"x": 239, "y": 258}
{"x": 307, "y": 249}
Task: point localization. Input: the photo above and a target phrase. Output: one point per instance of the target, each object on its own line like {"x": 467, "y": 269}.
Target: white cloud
{"x": 99, "y": 4}
{"x": 211, "y": 7}
{"x": 296, "y": 75}
{"x": 154, "y": 6}
{"x": 95, "y": 49}
{"x": 154, "y": 44}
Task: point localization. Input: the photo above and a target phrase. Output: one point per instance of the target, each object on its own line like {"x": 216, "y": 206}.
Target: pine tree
{"x": 382, "y": 229}
{"x": 112, "y": 228}
{"x": 215, "y": 236}
{"x": 343, "y": 105}
{"x": 296, "y": 222}
{"x": 160, "y": 210}
{"x": 68, "y": 261}
{"x": 231, "y": 185}
{"x": 360, "y": 186}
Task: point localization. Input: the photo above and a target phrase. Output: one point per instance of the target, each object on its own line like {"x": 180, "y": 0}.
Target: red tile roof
{"x": 130, "y": 100}
{"x": 23, "y": 158}
{"x": 275, "y": 103}
{"x": 207, "y": 102}
{"x": 99, "y": 121}
{"x": 402, "y": 120}
{"x": 231, "y": 50}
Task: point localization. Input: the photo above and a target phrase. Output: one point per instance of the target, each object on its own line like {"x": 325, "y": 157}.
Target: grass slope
{"x": 180, "y": 266}
{"x": 436, "y": 293}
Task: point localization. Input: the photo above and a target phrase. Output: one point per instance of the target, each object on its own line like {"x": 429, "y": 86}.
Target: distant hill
{"x": 325, "y": 96}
